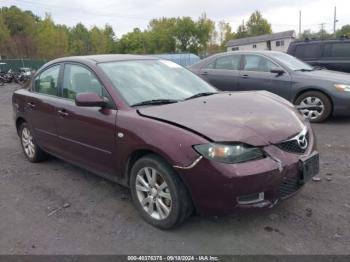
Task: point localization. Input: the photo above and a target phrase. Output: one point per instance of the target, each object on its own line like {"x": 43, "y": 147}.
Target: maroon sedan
{"x": 178, "y": 143}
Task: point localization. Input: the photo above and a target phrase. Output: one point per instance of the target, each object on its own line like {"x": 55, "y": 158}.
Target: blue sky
{"x": 124, "y": 15}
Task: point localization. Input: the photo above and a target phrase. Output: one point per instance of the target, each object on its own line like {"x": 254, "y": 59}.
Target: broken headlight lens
{"x": 229, "y": 153}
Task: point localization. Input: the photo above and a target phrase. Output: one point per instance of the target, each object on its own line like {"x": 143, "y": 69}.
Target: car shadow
{"x": 336, "y": 120}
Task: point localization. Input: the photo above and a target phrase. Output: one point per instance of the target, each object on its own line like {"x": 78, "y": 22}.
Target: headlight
{"x": 342, "y": 88}
{"x": 229, "y": 153}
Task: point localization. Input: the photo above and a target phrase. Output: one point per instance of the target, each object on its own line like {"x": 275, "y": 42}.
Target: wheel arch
{"x": 139, "y": 153}
{"x": 314, "y": 90}
{"x": 19, "y": 121}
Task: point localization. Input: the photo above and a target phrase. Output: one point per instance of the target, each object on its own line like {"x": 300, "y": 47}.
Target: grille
{"x": 292, "y": 146}
{"x": 289, "y": 186}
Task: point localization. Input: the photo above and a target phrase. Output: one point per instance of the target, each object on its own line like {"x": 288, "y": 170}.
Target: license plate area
{"x": 310, "y": 167}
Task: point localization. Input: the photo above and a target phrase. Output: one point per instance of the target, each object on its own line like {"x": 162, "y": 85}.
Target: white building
{"x": 276, "y": 42}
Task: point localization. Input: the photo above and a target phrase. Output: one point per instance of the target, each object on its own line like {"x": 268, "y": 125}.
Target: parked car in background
{"x": 330, "y": 54}
{"x": 318, "y": 92}
{"x": 177, "y": 142}
{"x": 25, "y": 71}
{"x": 23, "y": 75}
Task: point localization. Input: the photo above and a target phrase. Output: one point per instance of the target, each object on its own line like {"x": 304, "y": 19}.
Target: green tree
{"x": 161, "y": 37}
{"x": 242, "y": 31}
{"x": 133, "y": 42}
{"x": 322, "y": 34}
{"x": 109, "y": 38}
{"x": 79, "y": 42}
{"x": 98, "y": 41}
{"x": 22, "y": 27}
{"x": 257, "y": 25}
{"x": 51, "y": 40}
{"x": 5, "y": 38}
{"x": 185, "y": 34}
{"x": 205, "y": 33}
{"x": 344, "y": 31}
{"x": 225, "y": 33}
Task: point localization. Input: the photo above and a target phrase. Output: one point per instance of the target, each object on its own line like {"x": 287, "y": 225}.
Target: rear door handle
{"x": 204, "y": 73}
{"x": 63, "y": 112}
{"x": 244, "y": 76}
{"x": 31, "y": 105}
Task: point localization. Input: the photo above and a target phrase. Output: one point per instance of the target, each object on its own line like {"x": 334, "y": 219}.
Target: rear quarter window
{"x": 336, "y": 50}
{"x": 308, "y": 51}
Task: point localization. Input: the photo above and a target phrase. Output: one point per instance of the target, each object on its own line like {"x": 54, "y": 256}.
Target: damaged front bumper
{"x": 219, "y": 188}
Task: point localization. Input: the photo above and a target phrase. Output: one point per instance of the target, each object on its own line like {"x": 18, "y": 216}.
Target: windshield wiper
{"x": 201, "y": 94}
{"x": 155, "y": 102}
{"x": 319, "y": 67}
{"x": 304, "y": 70}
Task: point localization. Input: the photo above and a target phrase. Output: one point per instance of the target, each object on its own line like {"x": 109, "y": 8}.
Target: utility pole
{"x": 299, "y": 24}
{"x": 322, "y": 30}
{"x": 335, "y": 21}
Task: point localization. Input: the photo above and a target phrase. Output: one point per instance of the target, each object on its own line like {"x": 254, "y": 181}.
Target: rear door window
{"x": 336, "y": 50}
{"x": 226, "y": 62}
{"x": 47, "y": 81}
{"x": 308, "y": 51}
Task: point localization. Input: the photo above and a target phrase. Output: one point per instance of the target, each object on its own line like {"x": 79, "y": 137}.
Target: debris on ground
{"x": 268, "y": 229}
{"x": 308, "y": 212}
{"x": 316, "y": 179}
{"x": 328, "y": 178}
{"x": 65, "y": 205}
{"x": 337, "y": 236}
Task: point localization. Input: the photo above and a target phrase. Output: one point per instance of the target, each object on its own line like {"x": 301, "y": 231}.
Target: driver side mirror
{"x": 90, "y": 100}
{"x": 277, "y": 71}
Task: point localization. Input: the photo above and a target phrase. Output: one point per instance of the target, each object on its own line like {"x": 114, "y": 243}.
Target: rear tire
{"x": 30, "y": 148}
{"x": 156, "y": 188}
{"x": 315, "y": 98}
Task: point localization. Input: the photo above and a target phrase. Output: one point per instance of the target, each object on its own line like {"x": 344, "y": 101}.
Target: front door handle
{"x": 31, "y": 105}
{"x": 204, "y": 73}
{"x": 244, "y": 76}
{"x": 63, "y": 112}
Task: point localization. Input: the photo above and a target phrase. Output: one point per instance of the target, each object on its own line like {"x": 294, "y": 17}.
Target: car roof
{"x": 104, "y": 58}
{"x": 265, "y": 52}
{"x": 308, "y": 42}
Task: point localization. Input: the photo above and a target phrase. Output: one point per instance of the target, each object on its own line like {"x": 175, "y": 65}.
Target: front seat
{"x": 81, "y": 83}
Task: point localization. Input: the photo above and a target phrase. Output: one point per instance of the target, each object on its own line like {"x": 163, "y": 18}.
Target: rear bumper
{"x": 216, "y": 188}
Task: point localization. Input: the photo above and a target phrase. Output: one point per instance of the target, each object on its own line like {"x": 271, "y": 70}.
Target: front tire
{"x": 158, "y": 194}
{"x": 315, "y": 98}
{"x": 30, "y": 148}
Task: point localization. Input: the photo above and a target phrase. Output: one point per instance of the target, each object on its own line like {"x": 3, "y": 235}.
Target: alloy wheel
{"x": 312, "y": 113}
{"x": 153, "y": 193}
{"x": 27, "y": 142}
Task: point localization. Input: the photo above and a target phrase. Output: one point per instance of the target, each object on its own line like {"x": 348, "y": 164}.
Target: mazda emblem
{"x": 302, "y": 141}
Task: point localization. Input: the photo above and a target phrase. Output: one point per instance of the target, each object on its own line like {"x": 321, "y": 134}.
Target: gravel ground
{"x": 56, "y": 208}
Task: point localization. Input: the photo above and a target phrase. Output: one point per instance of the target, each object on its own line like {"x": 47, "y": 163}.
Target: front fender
{"x": 171, "y": 142}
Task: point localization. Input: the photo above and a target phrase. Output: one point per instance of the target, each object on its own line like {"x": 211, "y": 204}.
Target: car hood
{"x": 256, "y": 118}
{"x": 337, "y": 77}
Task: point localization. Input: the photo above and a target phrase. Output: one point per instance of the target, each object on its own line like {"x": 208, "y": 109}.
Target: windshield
{"x": 291, "y": 62}
{"x": 145, "y": 80}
